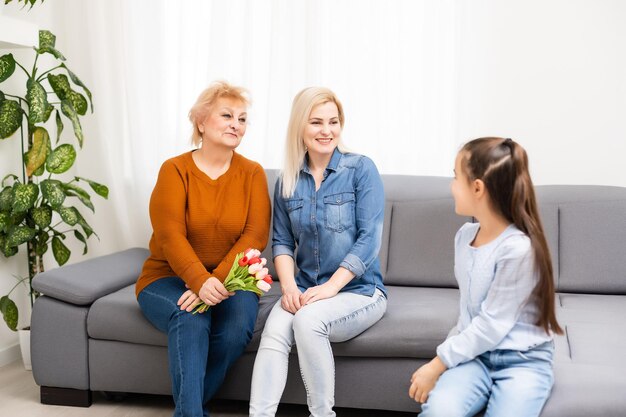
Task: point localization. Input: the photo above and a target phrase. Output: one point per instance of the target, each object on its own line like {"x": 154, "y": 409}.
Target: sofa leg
{"x": 65, "y": 396}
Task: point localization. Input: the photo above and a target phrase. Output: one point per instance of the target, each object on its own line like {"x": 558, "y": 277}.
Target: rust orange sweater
{"x": 199, "y": 224}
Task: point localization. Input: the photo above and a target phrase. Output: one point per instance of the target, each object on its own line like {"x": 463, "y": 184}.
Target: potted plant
{"x": 37, "y": 204}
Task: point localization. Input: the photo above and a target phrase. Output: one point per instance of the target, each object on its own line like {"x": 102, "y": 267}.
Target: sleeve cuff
{"x": 278, "y": 250}
{"x": 442, "y": 352}
{"x": 353, "y": 264}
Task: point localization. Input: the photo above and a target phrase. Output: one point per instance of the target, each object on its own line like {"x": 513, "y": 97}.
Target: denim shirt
{"x": 339, "y": 225}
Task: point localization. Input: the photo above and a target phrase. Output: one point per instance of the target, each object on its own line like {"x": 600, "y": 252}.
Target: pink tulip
{"x": 254, "y": 268}
{"x": 263, "y": 261}
{"x": 253, "y": 253}
{"x": 262, "y": 273}
{"x": 263, "y": 286}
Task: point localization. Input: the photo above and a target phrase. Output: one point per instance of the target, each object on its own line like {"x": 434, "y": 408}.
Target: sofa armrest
{"x": 84, "y": 282}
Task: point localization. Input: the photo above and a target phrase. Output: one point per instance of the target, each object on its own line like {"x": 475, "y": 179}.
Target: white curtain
{"x": 392, "y": 63}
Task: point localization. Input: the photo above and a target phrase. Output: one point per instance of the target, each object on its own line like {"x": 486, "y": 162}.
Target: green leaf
{"x": 18, "y": 218}
{"x": 39, "y": 171}
{"x": 10, "y": 118}
{"x": 7, "y": 66}
{"x": 46, "y": 44}
{"x": 63, "y": 90}
{"x": 75, "y": 191}
{"x": 70, "y": 113}
{"x": 6, "y": 199}
{"x": 80, "y": 237}
{"x": 42, "y": 216}
{"x": 78, "y": 82}
{"x": 37, "y": 100}
{"x": 61, "y": 159}
{"x": 24, "y": 197}
{"x": 60, "y": 251}
{"x": 69, "y": 215}
{"x": 100, "y": 189}
{"x": 7, "y": 251}
{"x": 41, "y": 245}
{"x": 19, "y": 235}
{"x": 59, "y": 125}
{"x": 83, "y": 223}
{"x": 52, "y": 191}
{"x": 5, "y": 222}
{"x": 37, "y": 154}
{"x": 9, "y": 312}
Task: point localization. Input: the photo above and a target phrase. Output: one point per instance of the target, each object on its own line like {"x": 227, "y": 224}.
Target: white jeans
{"x": 312, "y": 328}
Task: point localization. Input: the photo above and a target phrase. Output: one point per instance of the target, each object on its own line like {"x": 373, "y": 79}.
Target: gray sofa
{"x": 88, "y": 333}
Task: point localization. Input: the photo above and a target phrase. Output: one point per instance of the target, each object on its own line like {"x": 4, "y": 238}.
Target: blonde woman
{"x": 329, "y": 205}
{"x": 207, "y": 205}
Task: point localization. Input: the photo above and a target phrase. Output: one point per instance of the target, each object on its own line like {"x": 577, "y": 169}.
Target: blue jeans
{"x": 200, "y": 347}
{"x": 312, "y": 328}
{"x": 508, "y": 382}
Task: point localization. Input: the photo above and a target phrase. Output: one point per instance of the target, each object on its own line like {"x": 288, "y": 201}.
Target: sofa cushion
{"x": 592, "y": 247}
{"x": 417, "y": 320}
{"x": 593, "y": 332}
{"x": 421, "y": 249}
{"x": 118, "y": 317}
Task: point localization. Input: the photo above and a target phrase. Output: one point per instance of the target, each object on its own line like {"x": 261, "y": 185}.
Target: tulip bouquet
{"x": 248, "y": 273}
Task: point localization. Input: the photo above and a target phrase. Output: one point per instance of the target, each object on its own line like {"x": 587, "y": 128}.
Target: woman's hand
{"x": 424, "y": 379}
{"x": 188, "y": 301}
{"x": 213, "y": 292}
{"x": 319, "y": 292}
{"x": 290, "y": 301}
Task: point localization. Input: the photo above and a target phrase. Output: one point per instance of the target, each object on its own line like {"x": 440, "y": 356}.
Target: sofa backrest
{"x": 585, "y": 228}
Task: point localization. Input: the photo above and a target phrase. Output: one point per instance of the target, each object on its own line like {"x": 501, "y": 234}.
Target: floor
{"x": 19, "y": 396}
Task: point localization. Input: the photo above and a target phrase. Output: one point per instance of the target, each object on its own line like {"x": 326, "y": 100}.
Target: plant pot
{"x": 24, "y": 335}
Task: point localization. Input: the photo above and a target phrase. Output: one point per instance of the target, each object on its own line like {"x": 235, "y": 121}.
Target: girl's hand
{"x": 319, "y": 292}
{"x": 290, "y": 301}
{"x": 188, "y": 301}
{"x": 424, "y": 379}
{"x": 213, "y": 292}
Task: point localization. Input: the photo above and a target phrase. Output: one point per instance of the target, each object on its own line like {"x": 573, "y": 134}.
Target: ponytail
{"x": 502, "y": 165}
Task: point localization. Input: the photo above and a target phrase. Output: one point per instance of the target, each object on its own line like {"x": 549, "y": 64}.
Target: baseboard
{"x": 10, "y": 354}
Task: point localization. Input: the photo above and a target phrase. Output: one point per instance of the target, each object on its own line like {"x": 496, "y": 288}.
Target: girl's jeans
{"x": 200, "y": 347}
{"x": 312, "y": 328}
{"x": 508, "y": 382}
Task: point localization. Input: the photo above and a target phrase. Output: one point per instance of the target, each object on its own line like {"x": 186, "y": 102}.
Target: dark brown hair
{"x": 502, "y": 165}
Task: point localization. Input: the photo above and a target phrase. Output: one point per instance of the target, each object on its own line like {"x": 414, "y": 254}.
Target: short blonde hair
{"x": 207, "y": 98}
{"x": 303, "y": 104}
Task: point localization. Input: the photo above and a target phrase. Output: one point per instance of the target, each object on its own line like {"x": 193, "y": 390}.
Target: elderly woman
{"x": 207, "y": 205}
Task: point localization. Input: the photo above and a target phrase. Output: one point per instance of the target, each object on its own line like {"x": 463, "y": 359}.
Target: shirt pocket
{"x": 295, "y": 209}
{"x": 339, "y": 211}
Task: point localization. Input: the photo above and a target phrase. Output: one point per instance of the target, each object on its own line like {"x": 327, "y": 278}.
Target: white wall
{"x": 551, "y": 74}
{"x": 548, "y": 73}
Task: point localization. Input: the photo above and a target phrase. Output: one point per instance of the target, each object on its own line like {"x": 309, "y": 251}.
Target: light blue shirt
{"x": 338, "y": 225}
{"x": 496, "y": 281}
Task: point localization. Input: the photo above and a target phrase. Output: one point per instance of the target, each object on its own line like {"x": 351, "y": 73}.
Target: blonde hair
{"x": 207, "y": 98}
{"x": 303, "y": 104}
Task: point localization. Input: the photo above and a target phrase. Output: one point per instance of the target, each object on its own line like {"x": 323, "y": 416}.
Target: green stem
{"x": 23, "y": 69}
{"x": 17, "y": 97}
{"x": 35, "y": 66}
{"x": 21, "y": 280}
{"x": 23, "y": 157}
{"x": 44, "y": 73}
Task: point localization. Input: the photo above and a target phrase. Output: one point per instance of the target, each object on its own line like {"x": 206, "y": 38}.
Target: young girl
{"x": 500, "y": 353}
